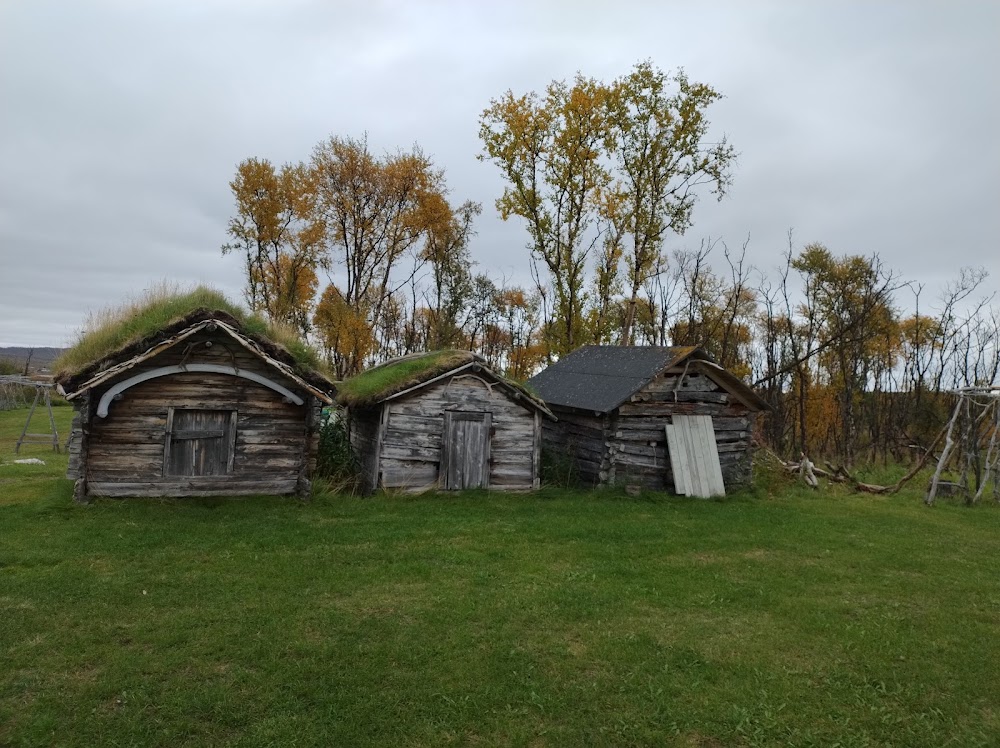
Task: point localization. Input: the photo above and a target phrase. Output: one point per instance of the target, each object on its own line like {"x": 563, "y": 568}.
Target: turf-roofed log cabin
{"x": 617, "y": 407}
{"x": 200, "y": 407}
{"x": 443, "y": 420}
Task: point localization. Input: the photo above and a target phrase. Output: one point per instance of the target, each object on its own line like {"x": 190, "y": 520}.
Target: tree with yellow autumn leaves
{"x": 617, "y": 166}
{"x": 602, "y": 174}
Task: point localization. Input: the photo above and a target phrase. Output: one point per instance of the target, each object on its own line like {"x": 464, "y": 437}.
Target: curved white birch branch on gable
{"x": 163, "y": 371}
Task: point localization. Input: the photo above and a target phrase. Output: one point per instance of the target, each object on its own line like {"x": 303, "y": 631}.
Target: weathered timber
{"x": 690, "y": 383}
{"x": 455, "y": 432}
{"x": 628, "y": 443}
{"x": 681, "y": 396}
{"x": 174, "y": 435}
{"x": 127, "y": 489}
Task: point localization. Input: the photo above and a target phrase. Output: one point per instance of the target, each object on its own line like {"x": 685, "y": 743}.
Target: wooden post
{"x": 314, "y": 415}
{"x": 949, "y": 444}
{"x": 41, "y": 393}
{"x": 536, "y": 453}
{"x": 990, "y": 467}
{"x": 80, "y": 493}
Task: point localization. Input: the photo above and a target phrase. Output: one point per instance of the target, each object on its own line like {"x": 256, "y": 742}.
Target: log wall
{"x": 122, "y": 455}
{"x": 581, "y": 439}
{"x": 364, "y": 433}
{"x": 407, "y": 436}
{"x": 629, "y": 446}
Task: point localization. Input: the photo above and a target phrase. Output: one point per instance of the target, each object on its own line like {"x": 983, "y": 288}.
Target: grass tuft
{"x": 384, "y": 380}
{"x": 395, "y": 376}
{"x": 109, "y": 330}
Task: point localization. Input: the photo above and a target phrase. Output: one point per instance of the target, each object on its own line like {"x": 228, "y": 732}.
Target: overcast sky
{"x": 870, "y": 126}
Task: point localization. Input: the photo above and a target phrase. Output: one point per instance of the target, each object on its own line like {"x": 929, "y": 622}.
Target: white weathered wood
{"x": 465, "y": 450}
{"x": 678, "y": 460}
{"x": 701, "y": 428}
{"x": 949, "y": 444}
{"x": 694, "y": 457}
{"x": 163, "y": 371}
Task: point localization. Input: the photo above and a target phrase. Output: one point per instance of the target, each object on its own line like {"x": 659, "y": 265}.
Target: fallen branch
{"x": 839, "y": 474}
{"x": 806, "y": 472}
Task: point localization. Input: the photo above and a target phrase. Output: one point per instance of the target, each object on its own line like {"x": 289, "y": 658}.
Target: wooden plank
{"x": 703, "y": 476}
{"x": 716, "y": 486}
{"x": 376, "y": 458}
{"x": 398, "y": 437}
{"x": 449, "y": 470}
{"x": 681, "y": 396}
{"x": 695, "y": 456}
{"x": 166, "y": 488}
{"x": 691, "y": 383}
{"x": 420, "y": 454}
{"x": 678, "y": 460}
{"x": 703, "y": 443}
{"x": 165, "y": 468}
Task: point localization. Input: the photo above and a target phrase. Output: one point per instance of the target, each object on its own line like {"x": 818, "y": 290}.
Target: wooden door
{"x": 199, "y": 442}
{"x": 465, "y": 450}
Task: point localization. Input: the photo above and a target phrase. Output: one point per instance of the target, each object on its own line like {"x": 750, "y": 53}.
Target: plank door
{"x": 465, "y": 450}
{"x": 199, "y": 442}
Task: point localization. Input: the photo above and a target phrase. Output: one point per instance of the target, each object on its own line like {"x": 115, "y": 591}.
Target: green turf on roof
{"x": 395, "y": 376}
{"x": 400, "y": 374}
{"x": 128, "y": 324}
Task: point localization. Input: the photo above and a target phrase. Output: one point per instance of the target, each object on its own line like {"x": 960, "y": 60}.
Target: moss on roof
{"x": 392, "y": 377}
{"x": 384, "y": 380}
{"x": 137, "y": 323}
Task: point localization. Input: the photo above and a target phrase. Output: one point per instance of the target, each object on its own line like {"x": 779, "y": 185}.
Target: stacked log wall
{"x": 410, "y": 454}
{"x": 580, "y": 438}
{"x": 637, "y": 445}
{"x": 274, "y": 446}
{"x": 75, "y": 443}
{"x": 364, "y": 432}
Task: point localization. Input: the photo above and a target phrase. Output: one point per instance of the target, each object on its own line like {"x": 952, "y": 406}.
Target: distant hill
{"x": 41, "y": 358}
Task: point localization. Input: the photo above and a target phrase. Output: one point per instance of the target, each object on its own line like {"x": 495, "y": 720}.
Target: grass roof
{"x": 385, "y": 380}
{"x": 116, "y": 328}
{"x": 394, "y": 376}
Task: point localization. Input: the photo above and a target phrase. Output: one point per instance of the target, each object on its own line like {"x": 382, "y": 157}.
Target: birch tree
{"x": 549, "y": 149}
{"x": 280, "y": 236}
{"x": 659, "y": 145}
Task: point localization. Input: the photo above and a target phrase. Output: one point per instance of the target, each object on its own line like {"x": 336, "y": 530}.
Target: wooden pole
{"x": 949, "y": 444}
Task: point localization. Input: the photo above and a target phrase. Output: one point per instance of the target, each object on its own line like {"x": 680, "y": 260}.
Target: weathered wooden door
{"x": 199, "y": 442}
{"x": 465, "y": 450}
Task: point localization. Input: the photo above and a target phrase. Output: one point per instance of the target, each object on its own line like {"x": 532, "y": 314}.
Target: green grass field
{"x": 775, "y": 618}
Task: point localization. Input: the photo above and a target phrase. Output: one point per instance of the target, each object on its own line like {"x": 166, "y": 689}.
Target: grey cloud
{"x": 869, "y": 127}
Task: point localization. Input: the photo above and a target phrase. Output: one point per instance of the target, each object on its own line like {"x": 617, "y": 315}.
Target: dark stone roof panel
{"x": 600, "y": 378}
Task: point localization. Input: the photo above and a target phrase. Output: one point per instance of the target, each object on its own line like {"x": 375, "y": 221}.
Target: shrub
{"x": 559, "y": 469}
{"x": 335, "y": 460}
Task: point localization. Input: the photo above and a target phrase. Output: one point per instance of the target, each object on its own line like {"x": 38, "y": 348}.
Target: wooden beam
{"x": 163, "y": 371}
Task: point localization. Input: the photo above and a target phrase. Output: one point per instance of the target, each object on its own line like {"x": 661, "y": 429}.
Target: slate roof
{"x": 599, "y": 378}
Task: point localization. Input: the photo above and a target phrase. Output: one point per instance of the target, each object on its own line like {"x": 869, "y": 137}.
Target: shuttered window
{"x": 199, "y": 442}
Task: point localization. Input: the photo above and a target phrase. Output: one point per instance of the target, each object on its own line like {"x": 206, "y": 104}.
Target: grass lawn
{"x": 556, "y": 619}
